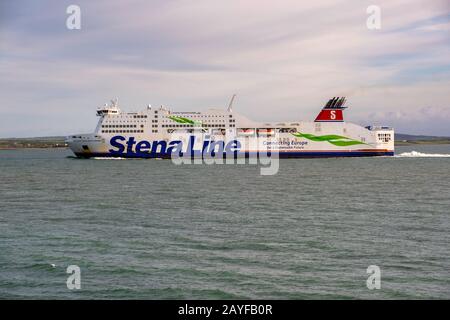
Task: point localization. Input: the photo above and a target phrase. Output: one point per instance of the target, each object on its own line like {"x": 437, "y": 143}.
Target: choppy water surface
{"x": 149, "y": 229}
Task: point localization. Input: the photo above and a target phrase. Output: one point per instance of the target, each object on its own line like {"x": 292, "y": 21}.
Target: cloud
{"x": 284, "y": 60}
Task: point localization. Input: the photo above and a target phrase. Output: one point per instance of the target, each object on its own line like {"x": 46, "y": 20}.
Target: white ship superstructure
{"x": 161, "y": 133}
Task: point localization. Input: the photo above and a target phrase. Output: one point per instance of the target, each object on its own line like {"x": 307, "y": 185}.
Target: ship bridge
{"x": 112, "y": 108}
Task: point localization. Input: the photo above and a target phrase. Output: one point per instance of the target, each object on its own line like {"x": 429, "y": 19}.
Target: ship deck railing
{"x": 374, "y": 128}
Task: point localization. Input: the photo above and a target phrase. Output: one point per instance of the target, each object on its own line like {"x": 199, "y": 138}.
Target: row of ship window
{"x": 144, "y": 116}
{"x": 122, "y": 131}
{"x": 384, "y": 137}
{"x": 120, "y": 126}
{"x": 199, "y": 116}
{"x": 190, "y": 125}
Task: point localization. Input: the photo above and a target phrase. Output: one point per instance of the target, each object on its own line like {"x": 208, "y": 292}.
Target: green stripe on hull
{"x": 336, "y": 140}
{"x": 184, "y": 120}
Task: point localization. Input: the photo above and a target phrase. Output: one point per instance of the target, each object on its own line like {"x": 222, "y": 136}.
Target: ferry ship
{"x": 163, "y": 133}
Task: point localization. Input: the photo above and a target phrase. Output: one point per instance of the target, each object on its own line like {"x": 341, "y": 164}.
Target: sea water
{"x": 149, "y": 229}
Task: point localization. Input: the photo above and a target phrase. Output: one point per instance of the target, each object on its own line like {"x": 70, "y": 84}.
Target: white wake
{"x": 416, "y": 154}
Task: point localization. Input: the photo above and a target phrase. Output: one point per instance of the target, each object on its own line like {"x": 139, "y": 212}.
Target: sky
{"x": 284, "y": 59}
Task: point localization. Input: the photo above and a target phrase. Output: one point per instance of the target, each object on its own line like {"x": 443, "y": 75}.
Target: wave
{"x": 121, "y": 158}
{"x": 416, "y": 154}
{"x": 108, "y": 158}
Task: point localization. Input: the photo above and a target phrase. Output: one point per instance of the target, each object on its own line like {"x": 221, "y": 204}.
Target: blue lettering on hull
{"x": 163, "y": 149}
{"x": 123, "y": 148}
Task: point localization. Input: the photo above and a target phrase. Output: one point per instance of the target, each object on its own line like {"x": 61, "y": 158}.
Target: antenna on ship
{"x": 341, "y": 103}
{"x": 336, "y": 103}
{"x": 230, "y": 106}
{"x": 114, "y": 102}
{"x": 333, "y": 102}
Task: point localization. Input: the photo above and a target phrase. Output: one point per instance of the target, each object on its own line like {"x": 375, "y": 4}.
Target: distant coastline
{"x": 421, "y": 142}
{"x": 30, "y": 143}
{"x": 58, "y": 141}
{"x": 408, "y": 139}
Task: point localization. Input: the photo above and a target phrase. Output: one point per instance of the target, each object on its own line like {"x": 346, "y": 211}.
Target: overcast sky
{"x": 283, "y": 59}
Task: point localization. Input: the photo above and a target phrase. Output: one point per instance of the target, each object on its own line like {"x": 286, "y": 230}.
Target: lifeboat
{"x": 246, "y": 132}
{"x": 266, "y": 131}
